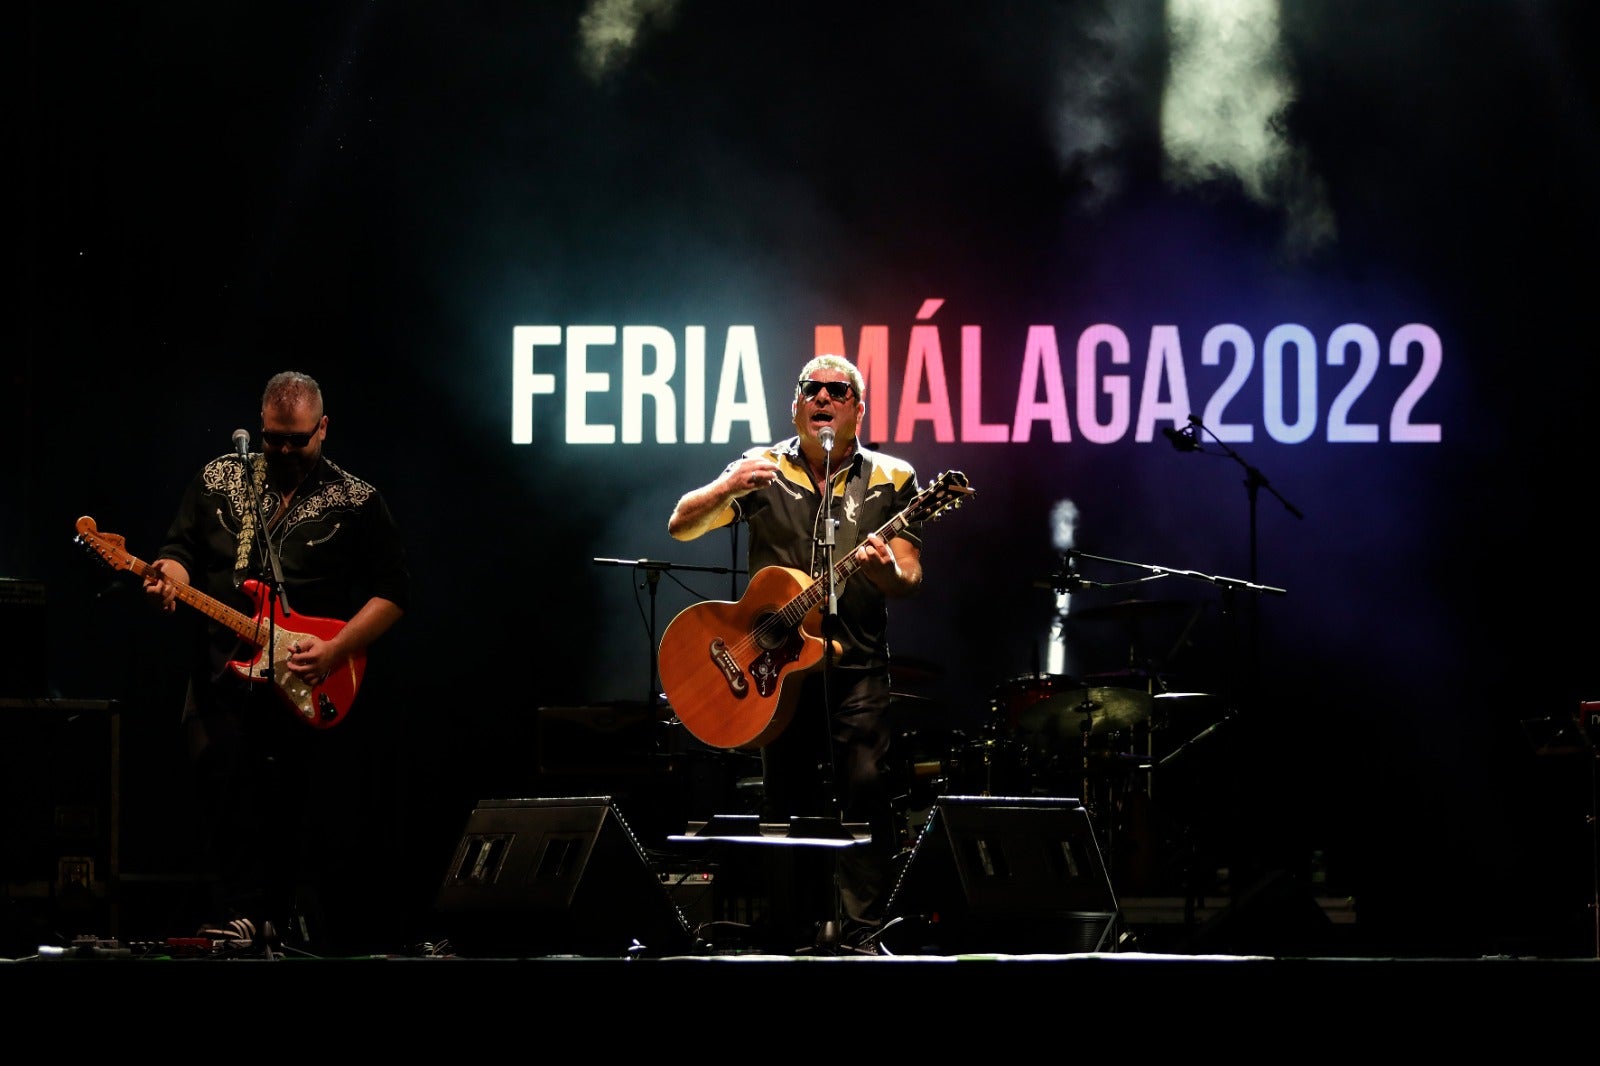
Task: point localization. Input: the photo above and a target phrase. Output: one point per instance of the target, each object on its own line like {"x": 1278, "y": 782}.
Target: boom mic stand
{"x": 1254, "y": 482}
{"x": 1230, "y": 587}
{"x": 653, "y": 569}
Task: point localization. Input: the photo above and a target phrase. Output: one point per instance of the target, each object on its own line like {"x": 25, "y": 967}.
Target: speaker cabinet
{"x": 539, "y": 877}
{"x": 60, "y": 819}
{"x": 1004, "y": 875}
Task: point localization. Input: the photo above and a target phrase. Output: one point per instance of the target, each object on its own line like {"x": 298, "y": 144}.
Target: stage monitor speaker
{"x": 1003, "y": 875}
{"x": 541, "y": 877}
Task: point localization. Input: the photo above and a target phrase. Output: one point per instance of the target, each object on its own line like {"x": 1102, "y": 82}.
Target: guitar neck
{"x": 817, "y": 591}
{"x": 241, "y": 623}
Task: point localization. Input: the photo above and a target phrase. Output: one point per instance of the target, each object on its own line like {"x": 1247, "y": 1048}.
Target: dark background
{"x": 377, "y": 194}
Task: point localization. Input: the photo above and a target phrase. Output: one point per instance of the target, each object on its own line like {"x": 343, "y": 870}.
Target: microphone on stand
{"x": 1182, "y": 439}
{"x": 241, "y": 443}
{"x": 825, "y": 435}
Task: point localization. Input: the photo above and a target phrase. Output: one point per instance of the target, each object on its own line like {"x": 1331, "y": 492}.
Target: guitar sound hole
{"x": 769, "y": 633}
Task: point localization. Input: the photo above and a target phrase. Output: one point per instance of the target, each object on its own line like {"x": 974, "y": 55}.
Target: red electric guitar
{"x": 319, "y": 706}
{"x": 732, "y": 671}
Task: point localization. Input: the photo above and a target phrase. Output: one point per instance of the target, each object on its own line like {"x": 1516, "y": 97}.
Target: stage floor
{"x": 1133, "y": 1004}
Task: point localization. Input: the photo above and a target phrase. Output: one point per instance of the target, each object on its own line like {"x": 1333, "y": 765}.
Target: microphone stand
{"x": 653, "y": 569}
{"x": 830, "y": 624}
{"x": 1230, "y": 586}
{"x": 276, "y": 588}
{"x": 1254, "y": 481}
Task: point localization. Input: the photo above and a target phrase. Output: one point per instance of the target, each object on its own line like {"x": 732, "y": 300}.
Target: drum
{"x": 1013, "y": 697}
{"x": 920, "y": 766}
{"x": 922, "y": 761}
{"x": 988, "y": 766}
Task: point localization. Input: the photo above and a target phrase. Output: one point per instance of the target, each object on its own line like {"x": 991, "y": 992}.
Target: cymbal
{"x": 1128, "y": 610}
{"x": 1184, "y": 710}
{"x": 1105, "y": 709}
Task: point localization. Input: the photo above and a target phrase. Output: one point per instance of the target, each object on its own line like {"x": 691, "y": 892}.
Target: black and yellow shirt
{"x": 785, "y": 520}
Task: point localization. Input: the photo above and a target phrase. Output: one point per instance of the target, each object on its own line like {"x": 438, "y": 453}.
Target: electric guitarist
{"x": 319, "y": 543}
{"x": 826, "y": 759}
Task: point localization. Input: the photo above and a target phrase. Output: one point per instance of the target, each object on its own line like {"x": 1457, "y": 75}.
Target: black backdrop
{"x": 379, "y": 194}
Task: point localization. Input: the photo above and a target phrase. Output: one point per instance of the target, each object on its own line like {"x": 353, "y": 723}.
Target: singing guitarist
{"x": 344, "y": 583}
{"x": 785, "y": 493}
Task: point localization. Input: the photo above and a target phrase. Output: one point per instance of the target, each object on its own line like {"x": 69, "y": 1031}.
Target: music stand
{"x": 798, "y": 861}
{"x": 653, "y": 569}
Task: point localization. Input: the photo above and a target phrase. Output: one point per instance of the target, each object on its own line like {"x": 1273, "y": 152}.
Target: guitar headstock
{"x": 110, "y": 547}
{"x": 945, "y": 492}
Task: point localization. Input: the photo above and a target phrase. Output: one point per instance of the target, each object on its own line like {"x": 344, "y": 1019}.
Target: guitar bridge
{"x": 738, "y": 684}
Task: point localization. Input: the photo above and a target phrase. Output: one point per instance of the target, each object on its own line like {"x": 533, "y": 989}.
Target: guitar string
{"x": 774, "y": 625}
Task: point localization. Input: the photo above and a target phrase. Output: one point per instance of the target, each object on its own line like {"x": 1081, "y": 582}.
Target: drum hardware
{"x": 1016, "y": 695}
{"x": 1097, "y": 711}
{"x": 991, "y": 766}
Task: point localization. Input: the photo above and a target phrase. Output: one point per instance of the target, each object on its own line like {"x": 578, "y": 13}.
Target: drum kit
{"x": 1098, "y": 737}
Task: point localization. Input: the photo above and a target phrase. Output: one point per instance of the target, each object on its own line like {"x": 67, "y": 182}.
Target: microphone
{"x": 1180, "y": 439}
{"x": 241, "y": 443}
{"x": 825, "y": 435}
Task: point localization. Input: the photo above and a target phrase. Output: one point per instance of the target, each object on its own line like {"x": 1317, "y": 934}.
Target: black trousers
{"x": 251, "y": 764}
{"x": 832, "y": 761}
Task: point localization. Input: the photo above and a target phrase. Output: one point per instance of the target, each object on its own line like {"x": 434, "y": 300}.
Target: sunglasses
{"x": 837, "y": 389}
{"x": 293, "y": 440}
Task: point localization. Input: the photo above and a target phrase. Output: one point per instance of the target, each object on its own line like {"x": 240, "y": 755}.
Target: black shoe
{"x": 235, "y": 936}
{"x": 860, "y": 938}
{"x": 240, "y": 936}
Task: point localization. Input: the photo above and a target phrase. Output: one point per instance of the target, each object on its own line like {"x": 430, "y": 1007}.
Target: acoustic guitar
{"x": 732, "y": 671}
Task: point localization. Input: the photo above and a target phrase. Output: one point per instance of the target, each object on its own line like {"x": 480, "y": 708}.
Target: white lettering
{"x": 741, "y": 362}
{"x": 1366, "y": 343}
{"x": 1401, "y": 428}
{"x": 1274, "y": 380}
{"x": 1244, "y": 360}
{"x": 637, "y": 384}
{"x": 1163, "y": 367}
{"x": 581, "y": 382}
{"x": 1090, "y": 341}
{"x": 525, "y": 384}
{"x": 649, "y": 372}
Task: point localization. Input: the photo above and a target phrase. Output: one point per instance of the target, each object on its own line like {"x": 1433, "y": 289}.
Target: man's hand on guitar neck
{"x": 161, "y": 583}
{"x": 895, "y": 567}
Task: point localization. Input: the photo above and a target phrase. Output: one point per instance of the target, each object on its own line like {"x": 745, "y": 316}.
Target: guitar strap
{"x": 854, "y": 495}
